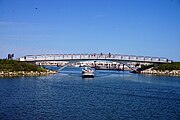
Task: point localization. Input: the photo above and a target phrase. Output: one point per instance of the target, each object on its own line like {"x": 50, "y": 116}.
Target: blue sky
{"x": 134, "y": 27}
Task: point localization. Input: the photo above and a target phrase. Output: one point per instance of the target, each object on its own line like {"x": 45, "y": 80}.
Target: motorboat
{"x": 87, "y": 72}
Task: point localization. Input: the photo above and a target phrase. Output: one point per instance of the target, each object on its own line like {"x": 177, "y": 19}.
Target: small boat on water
{"x": 87, "y": 72}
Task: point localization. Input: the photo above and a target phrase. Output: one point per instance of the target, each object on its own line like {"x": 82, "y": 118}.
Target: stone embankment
{"x": 25, "y": 73}
{"x": 159, "y": 72}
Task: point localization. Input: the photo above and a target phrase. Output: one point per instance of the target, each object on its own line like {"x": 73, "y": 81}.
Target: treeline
{"x": 13, "y": 65}
{"x": 168, "y": 66}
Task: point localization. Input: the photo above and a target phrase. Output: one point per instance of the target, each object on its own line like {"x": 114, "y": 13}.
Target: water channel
{"x": 110, "y": 95}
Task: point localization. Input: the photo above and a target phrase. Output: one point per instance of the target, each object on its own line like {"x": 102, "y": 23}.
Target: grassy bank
{"x": 169, "y": 69}
{"x": 10, "y": 68}
{"x": 13, "y": 65}
{"x": 168, "y": 66}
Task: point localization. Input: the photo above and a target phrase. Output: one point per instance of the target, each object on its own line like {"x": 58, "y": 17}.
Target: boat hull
{"x": 87, "y": 76}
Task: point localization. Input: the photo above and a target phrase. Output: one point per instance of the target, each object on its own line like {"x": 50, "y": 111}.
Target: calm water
{"x": 110, "y": 95}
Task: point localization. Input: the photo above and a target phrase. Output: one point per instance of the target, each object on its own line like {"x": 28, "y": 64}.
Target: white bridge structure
{"x": 85, "y": 57}
{"x": 73, "y": 58}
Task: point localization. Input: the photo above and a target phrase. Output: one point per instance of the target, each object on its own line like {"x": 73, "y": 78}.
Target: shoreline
{"x": 160, "y": 72}
{"x": 25, "y": 73}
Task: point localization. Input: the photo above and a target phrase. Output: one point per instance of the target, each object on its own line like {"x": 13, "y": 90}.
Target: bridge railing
{"x": 46, "y": 57}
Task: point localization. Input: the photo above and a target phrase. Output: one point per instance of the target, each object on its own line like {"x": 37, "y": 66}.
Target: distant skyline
{"x": 133, "y": 27}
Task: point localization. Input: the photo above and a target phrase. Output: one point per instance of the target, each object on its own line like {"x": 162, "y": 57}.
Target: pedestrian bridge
{"x": 85, "y": 57}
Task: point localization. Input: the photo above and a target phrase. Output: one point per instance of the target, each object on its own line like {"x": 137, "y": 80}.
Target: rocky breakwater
{"x": 161, "y": 72}
{"x": 26, "y": 73}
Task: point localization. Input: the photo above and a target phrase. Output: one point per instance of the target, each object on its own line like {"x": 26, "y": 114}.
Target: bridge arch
{"x": 72, "y": 62}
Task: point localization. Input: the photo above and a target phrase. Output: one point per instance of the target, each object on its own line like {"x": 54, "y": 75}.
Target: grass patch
{"x": 168, "y": 66}
{"x": 13, "y": 65}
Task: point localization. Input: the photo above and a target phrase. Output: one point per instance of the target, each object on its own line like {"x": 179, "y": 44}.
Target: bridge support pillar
{"x": 118, "y": 67}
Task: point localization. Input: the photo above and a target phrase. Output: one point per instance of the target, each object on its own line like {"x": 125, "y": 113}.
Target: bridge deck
{"x": 112, "y": 57}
